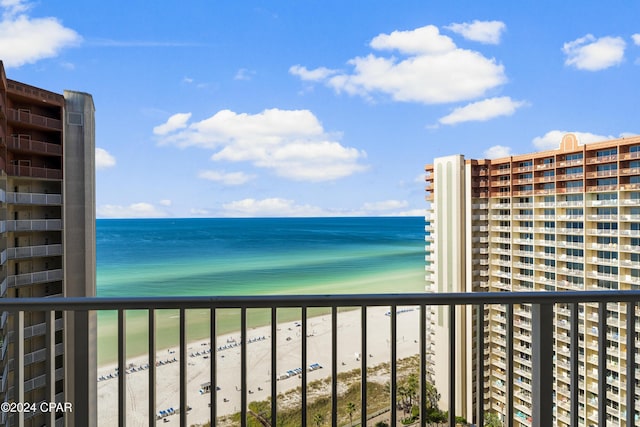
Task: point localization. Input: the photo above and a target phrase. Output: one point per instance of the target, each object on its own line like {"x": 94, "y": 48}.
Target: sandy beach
{"x": 259, "y": 364}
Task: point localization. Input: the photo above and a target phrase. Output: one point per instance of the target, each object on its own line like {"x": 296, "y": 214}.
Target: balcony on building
{"x": 26, "y": 117}
{"x": 24, "y": 144}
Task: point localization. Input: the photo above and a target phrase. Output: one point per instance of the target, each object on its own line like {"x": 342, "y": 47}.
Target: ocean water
{"x": 255, "y": 256}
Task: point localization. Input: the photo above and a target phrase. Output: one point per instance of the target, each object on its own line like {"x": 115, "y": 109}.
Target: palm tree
{"x": 318, "y": 419}
{"x": 351, "y": 408}
{"x": 432, "y": 395}
{"x": 412, "y": 385}
{"x": 491, "y": 419}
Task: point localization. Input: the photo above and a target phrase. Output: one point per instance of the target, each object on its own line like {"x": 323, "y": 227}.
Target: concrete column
{"x": 79, "y": 237}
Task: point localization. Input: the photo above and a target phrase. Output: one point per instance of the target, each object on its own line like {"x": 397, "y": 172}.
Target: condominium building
{"x": 566, "y": 219}
{"x": 47, "y": 243}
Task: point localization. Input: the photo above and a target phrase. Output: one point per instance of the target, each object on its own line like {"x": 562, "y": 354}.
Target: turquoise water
{"x": 252, "y": 256}
{"x": 169, "y": 257}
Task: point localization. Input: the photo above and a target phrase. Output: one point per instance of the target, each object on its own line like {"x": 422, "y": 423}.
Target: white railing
{"x": 37, "y": 277}
{"x": 34, "y": 225}
{"x": 34, "y": 251}
{"x": 34, "y": 198}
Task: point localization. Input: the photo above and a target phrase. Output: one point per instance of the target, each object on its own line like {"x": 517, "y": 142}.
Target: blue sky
{"x": 321, "y": 108}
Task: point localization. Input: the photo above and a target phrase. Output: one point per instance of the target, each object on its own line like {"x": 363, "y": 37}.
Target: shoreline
{"x": 288, "y": 341}
{"x": 228, "y": 320}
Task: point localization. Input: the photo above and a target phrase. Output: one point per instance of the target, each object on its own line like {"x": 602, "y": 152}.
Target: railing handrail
{"x": 339, "y": 300}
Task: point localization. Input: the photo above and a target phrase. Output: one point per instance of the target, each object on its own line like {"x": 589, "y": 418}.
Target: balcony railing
{"x": 34, "y": 225}
{"x": 36, "y": 277}
{"x": 34, "y": 251}
{"x": 540, "y": 390}
{"x": 25, "y": 143}
{"x": 34, "y": 172}
{"x": 34, "y": 199}
{"x": 26, "y": 116}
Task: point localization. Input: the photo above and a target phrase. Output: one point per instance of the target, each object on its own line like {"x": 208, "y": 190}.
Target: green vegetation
{"x": 491, "y": 419}
{"x": 319, "y": 400}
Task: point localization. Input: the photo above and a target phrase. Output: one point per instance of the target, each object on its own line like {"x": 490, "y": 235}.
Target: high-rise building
{"x": 566, "y": 219}
{"x": 47, "y": 240}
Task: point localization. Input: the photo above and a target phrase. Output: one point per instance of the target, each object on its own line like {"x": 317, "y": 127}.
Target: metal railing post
{"x": 480, "y": 364}
{"x": 122, "y": 366}
{"x": 575, "y": 328}
{"x": 452, "y": 365}
{"x": 363, "y": 366}
{"x": 50, "y": 321}
{"x": 183, "y": 368}
{"x": 631, "y": 367}
{"x": 510, "y": 320}
{"x": 423, "y": 365}
{"x": 18, "y": 362}
{"x": 542, "y": 362}
{"x": 152, "y": 368}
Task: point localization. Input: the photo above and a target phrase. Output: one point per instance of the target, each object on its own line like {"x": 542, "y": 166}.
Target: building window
{"x": 607, "y": 152}
{"x": 575, "y": 266}
{"x": 607, "y": 181}
{"x": 607, "y": 255}
{"x": 607, "y": 167}
{"x": 575, "y": 252}
{"x": 607, "y": 226}
{"x": 607, "y": 240}
{"x": 576, "y": 156}
{"x": 606, "y": 196}
{"x": 607, "y": 211}
{"x": 574, "y": 170}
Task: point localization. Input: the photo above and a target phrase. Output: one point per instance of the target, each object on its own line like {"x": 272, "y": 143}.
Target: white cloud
{"x": 198, "y": 212}
{"x": 166, "y": 202}
{"x": 135, "y": 210}
{"x": 280, "y": 207}
{"x": 385, "y": 205}
{"x": 14, "y": 7}
{"x": 482, "y": 110}
{"x": 104, "y": 159}
{"x": 410, "y": 212}
{"x": 424, "y": 40}
{"x": 591, "y": 54}
{"x": 244, "y": 74}
{"x": 636, "y": 39}
{"x": 497, "y": 151}
{"x": 318, "y": 74}
{"x": 271, "y": 207}
{"x": 25, "y": 40}
{"x": 420, "y": 178}
{"x": 175, "y": 122}
{"x": 488, "y": 32}
{"x": 433, "y": 71}
{"x": 292, "y": 143}
{"x": 227, "y": 178}
{"x": 551, "y": 140}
